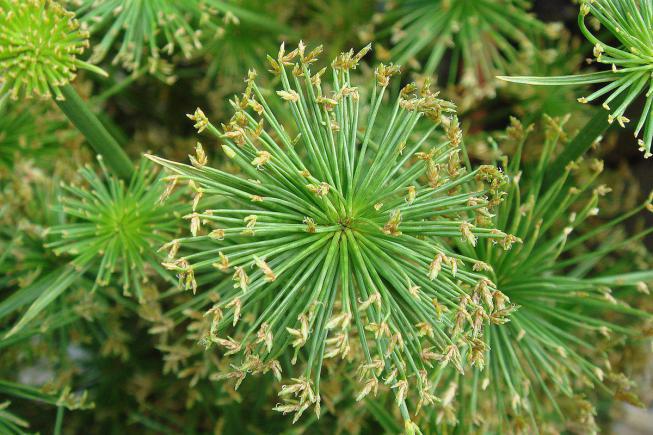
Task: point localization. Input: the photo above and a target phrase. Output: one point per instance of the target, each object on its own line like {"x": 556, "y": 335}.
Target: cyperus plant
{"x": 148, "y": 28}
{"x": 116, "y": 227}
{"x": 631, "y": 61}
{"x": 572, "y": 311}
{"x": 482, "y": 37}
{"x": 107, "y": 229}
{"x": 340, "y": 232}
{"x": 40, "y": 44}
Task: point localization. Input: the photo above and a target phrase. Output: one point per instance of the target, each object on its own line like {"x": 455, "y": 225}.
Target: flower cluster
{"x": 114, "y": 227}
{"x": 39, "y": 45}
{"x": 339, "y": 232}
{"x": 147, "y": 28}
{"x": 542, "y": 361}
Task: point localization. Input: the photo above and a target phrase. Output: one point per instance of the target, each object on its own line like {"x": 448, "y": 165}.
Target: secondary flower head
{"x": 115, "y": 228}
{"x": 39, "y": 45}
{"x": 571, "y": 305}
{"x": 630, "y": 62}
{"x": 148, "y": 28}
{"x": 335, "y": 232}
{"x": 482, "y": 37}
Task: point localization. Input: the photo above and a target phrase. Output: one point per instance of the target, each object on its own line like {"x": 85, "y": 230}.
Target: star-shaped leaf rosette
{"x": 337, "y": 237}
{"x": 39, "y": 45}
{"x": 576, "y": 306}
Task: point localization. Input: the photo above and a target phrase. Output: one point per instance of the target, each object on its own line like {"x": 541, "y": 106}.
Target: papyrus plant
{"x": 104, "y": 230}
{"x": 40, "y": 43}
{"x": 335, "y": 237}
{"x": 140, "y": 30}
{"x": 478, "y": 39}
{"x": 544, "y": 368}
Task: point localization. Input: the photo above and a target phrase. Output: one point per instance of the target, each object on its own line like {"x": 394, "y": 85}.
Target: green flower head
{"x": 114, "y": 227}
{"x": 335, "y": 236}
{"x": 39, "y": 45}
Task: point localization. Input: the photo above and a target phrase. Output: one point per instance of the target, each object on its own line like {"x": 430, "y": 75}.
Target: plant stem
{"x": 59, "y": 421}
{"x": 595, "y": 128}
{"x": 97, "y": 135}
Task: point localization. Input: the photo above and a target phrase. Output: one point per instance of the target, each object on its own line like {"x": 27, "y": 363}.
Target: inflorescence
{"x": 483, "y": 37}
{"x": 339, "y": 232}
{"x": 116, "y": 228}
{"x": 570, "y": 312}
{"x": 39, "y": 45}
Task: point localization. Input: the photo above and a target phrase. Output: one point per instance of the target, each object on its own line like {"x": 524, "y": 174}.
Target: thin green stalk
{"x": 120, "y": 86}
{"x": 58, "y": 424}
{"x": 97, "y": 135}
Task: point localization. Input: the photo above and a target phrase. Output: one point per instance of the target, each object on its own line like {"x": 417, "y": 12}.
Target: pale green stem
{"x": 97, "y": 135}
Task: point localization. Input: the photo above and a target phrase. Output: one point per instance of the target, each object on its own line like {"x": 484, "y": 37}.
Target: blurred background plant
{"x": 465, "y": 42}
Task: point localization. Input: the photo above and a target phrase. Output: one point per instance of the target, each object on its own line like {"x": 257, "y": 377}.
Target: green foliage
{"x": 147, "y": 27}
{"x": 631, "y": 62}
{"x": 343, "y": 236}
{"x": 114, "y": 227}
{"x": 12, "y": 424}
{"x": 572, "y": 308}
{"x": 28, "y": 133}
{"x": 482, "y": 37}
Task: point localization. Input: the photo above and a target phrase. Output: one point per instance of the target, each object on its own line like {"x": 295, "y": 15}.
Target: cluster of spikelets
{"x": 104, "y": 230}
{"x": 138, "y": 34}
{"x": 115, "y": 227}
{"x": 325, "y": 249}
{"x": 341, "y": 231}
{"x": 147, "y": 27}
{"x": 545, "y": 359}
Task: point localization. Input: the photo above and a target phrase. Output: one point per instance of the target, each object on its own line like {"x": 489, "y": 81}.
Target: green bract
{"x": 540, "y": 364}
{"x": 631, "y": 74}
{"x": 483, "y": 37}
{"x": 337, "y": 235}
{"x": 114, "y": 227}
{"x": 39, "y": 45}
